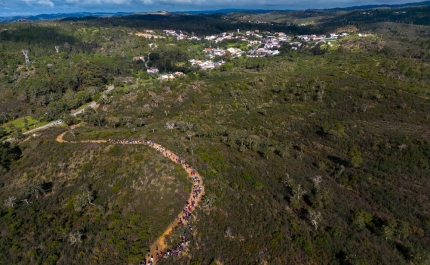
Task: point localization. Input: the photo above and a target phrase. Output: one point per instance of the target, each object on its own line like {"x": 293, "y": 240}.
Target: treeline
{"x": 199, "y": 24}
{"x": 8, "y": 154}
{"x": 55, "y": 83}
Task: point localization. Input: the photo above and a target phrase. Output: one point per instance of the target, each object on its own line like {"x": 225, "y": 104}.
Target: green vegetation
{"x": 8, "y": 154}
{"x": 20, "y": 124}
{"x": 85, "y": 202}
{"x": 316, "y": 156}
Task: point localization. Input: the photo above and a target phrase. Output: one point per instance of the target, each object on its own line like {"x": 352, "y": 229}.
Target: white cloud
{"x": 39, "y": 2}
{"x": 98, "y": 2}
{"x": 45, "y": 2}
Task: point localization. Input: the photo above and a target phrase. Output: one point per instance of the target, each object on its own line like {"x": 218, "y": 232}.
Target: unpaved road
{"x": 160, "y": 242}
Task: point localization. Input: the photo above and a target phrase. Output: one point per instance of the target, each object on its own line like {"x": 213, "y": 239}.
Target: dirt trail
{"x": 160, "y": 242}
{"x": 60, "y": 137}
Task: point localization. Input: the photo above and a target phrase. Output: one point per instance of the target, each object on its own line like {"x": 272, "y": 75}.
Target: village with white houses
{"x": 258, "y": 44}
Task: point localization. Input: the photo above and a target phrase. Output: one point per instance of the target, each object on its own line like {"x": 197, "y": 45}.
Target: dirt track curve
{"x": 173, "y": 157}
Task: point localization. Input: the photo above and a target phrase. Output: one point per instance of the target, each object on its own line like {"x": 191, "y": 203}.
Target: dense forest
{"x": 319, "y": 155}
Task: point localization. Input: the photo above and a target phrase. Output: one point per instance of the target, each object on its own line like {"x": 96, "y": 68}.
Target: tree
{"x": 144, "y": 112}
{"x": 113, "y": 121}
{"x": 320, "y": 93}
{"x": 267, "y": 152}
{"x": 227, "y": 56}
{"x": 208, "y": 200}
{"x": 83, "y": 198}
{"x": 355, "y": 157}
{"x": 193, "y": 146}
{"x": 298, "y": 192}
{"x": 287, "y": 181}
{"x": 3, "y": 118}
{"x": 98, "y": 119}
{"x": 325, "y": 127}
{"x": 34, "y": 189}
{"x": 317, "y": 180}
{"x": 190, "y": 126}
{"x": 315, "y": 217}
{"x": 10, "y": 202}
{"x": 190, "y": 134}
{"x": 402, "y": 146}
{"x": 228, "y": 233}
{"x": 26, "y": 123}
{"x": 402, "y": 229}
{"x": 387, "y": 231}
{"x": 340, "y": 170}
{"x": 75, "y": 237}
{"x": 156, "y": 99}
{"x": 322, "y": 198}
{"x": 8, "y": 154}
{"x": 170, "y": 125}
{"x": 361, "y": 219}
{"x": 2, "y": 132}
{"x": 69, "y": 119}
{"x": 63, "y": 166}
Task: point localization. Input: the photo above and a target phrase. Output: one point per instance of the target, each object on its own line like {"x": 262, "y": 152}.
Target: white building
{"x": 152, "y": 70}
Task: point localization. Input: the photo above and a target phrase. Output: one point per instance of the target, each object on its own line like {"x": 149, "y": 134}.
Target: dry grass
{"x": 147, "y": 35}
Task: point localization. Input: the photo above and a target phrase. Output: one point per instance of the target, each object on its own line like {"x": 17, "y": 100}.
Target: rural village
{"x": 258, "y": 45}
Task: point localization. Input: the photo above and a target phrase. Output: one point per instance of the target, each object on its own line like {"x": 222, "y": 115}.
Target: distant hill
{"x": 262, "y": 11}
{"x": 219, "y": 11}
{"x": 380, "y": 6}
{"x": 107, "y": 14}
{"x": 60, "y": 16}
{"x": 230, "y": 10}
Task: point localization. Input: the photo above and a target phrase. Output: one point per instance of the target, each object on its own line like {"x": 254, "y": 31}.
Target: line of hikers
{"x": 149, "y": 260}
{"x": 151, "y": 143}
{"x": 129, "y": 141}
{"x": 186, "y": 212}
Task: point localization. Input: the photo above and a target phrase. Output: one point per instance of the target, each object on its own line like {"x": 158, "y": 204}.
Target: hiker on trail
{"x": 186, "y": 215}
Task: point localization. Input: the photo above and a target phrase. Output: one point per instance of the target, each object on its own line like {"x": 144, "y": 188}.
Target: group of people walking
{"x": 129, "y": 141}
{"x": 184, "y": 218}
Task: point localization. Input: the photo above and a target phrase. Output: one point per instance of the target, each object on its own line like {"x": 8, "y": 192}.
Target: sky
{"x": 34, "y": 7}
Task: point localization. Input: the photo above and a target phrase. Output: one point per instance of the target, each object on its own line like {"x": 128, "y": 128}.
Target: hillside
{"x": 316, "y": 154}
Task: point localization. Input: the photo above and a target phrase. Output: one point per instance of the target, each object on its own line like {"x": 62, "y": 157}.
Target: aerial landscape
{"x": 214, "y": 133}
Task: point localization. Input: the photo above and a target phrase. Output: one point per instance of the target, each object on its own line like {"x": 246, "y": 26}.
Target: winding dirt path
{"x": 160, "y": 242}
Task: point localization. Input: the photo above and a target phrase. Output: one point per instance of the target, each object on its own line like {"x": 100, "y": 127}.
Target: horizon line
{"x": 214, "y": 10}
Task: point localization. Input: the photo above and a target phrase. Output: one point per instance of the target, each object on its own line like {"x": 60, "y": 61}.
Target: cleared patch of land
{"x": 147, "y": 35}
